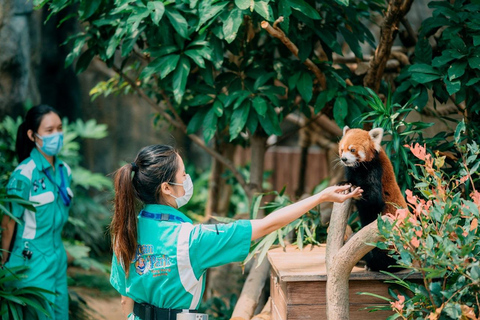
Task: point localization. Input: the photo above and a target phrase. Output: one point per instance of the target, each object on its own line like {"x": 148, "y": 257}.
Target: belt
{"x": 149, "y": 312}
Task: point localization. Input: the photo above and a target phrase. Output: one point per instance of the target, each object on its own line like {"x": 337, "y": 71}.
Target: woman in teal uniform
{"x": 44, "y": 179}
{"x": 160, "y": 257}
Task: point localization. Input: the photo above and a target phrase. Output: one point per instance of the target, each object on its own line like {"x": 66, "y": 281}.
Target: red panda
{"x": 367, "y": 166}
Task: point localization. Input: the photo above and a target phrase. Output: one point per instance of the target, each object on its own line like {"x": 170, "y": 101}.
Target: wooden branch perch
{"x": 396, "y": 11}
{"x": 276, "y": 32}
{"x": 340, "y": 259}
{"x": 252, "y": 289}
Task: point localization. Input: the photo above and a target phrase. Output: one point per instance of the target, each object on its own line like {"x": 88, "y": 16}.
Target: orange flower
{"x": 398, "y": 305}
{"x": 418, "y": 151}
{"x": 410, "y": 197}
{"x": 415, "y": 242}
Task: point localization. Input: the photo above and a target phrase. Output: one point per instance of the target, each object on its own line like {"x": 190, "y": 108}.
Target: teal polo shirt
{"x": 168, "y": 270}
{"x": 30, "y": 182}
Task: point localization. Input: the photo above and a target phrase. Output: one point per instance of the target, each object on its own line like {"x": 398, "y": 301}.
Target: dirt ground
{"x": 102, "y": 307}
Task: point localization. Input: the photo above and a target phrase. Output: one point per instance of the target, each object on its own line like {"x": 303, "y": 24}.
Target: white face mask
{"x": 188, "y": 187}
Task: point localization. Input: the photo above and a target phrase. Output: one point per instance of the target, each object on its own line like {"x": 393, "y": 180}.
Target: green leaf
{"x": 238, "y": 120}
{"x": 323, "y": 98}
{"x": 476, "y": 40}
{"x": 164, "y": 65}
{"x": 445, "y": 58}
{"x": 180, "y": 78}
{"x": 270, "y": 122}
{"x": 423, "y": 51}
{"x": 84, "y": 61}
{"x": 425, "y": 77}
{"x": 157, "y": 9}
{"x": 210, "y": 125}
{"x": 263, "y": 79}
{"x": 77, "y": 49}
{"x": 242, "y": 95}
{"x": 472, "y": 81}
{"x": 304, "y": 8}
{"x": 457, "y": 70}
{"x": 453, "y": 86}
{"x": 196, "y": 57}
{"x": 342, "y": 2}
{"x": 196, "y": 122}
{"x": 243, "y": 4}
{"x": 231, "y": 25}
{"x": 423, "y": 68}
{"x": 260, "y": 105}
{"x": 263, "y": 9}
{"x": 88, "y": 8}
{"x": 207, "y": 11}
{"x": 458, "y": 131}
{"x": 352, "y": 41}
{"x": 340, "y": 111}
{"x": 474, "y": 62}
{"x": 305, "y": 86}
{"x": 218, "y": 107}
{"x": 252, "y": 122}
{"x": 178, "y": 22}
{"x": 200, "y": 100}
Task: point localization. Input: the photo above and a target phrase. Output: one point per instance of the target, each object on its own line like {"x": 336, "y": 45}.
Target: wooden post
{"x": 340, "y": 259}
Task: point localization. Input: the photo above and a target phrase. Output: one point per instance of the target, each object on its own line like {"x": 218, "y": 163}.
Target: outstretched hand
{"x": 339, "y": 193}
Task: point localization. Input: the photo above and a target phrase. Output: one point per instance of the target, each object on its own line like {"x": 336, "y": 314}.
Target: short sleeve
{"x": 117, "y": 277}
{"x": 212, "y": 245}
{"x": 21, "y": 188}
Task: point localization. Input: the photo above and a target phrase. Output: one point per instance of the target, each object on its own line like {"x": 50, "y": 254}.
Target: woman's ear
{"x": 30, "y": 135}
{"x": 166, "y": 188}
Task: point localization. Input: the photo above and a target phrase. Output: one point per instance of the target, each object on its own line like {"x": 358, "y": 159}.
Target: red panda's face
{"x": 352, "y": 154}
{"x": 359, "y": 146}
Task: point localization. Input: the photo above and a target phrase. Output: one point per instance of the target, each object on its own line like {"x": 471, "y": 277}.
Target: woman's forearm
{"x": 127, "y": 306}
{"x": 284, "y": 216}
{"x": 8, "y": 226}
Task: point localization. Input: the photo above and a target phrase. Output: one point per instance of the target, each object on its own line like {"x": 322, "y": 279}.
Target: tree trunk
{"x": 252, "y": 291}
{"x": 340, "y": 259}
{"x": 219, "y": 191}
{"x": 259, "y": 147}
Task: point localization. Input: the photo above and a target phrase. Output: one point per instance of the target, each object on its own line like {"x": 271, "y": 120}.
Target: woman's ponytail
{"x": 124, "y": 223}
{"x": 23, "y": 145}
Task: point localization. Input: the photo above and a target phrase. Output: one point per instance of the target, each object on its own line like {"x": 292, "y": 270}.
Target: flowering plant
{"x": 439, "y": 237}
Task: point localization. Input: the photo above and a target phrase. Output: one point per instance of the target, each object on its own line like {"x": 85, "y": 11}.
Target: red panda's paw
{"x": 349, "y": 190}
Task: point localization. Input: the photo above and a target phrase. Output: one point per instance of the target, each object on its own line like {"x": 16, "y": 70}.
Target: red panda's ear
{"x": 376, "y": 135}
{"x": 345, "y": 129}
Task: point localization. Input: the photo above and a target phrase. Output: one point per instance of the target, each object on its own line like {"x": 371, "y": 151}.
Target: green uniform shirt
{"x": 168, "y": 270}
{"x": 30, "y": 182}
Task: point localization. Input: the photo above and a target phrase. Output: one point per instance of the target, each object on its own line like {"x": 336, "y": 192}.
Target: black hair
{"x": 33, "y": 119}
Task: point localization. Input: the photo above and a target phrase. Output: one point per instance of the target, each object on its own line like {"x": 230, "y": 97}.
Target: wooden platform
{"x": 298, "y": 283}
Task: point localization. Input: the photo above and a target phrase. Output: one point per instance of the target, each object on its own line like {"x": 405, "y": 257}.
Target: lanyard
{"x": 62, "y": 188}
{"x": 160, "y": 216}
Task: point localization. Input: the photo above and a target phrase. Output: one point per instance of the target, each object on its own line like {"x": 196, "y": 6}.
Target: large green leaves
{"x": 180, "y": 77}
{"x": 239, "y": 118}
{"x": 164, "y": 65}
{"x": 157, "y": 9}
{"x": 178, "y": 21}
{"x": 231, "y": 24}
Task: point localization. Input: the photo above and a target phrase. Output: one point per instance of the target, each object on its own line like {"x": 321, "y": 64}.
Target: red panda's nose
{"x": 344, "y": 159}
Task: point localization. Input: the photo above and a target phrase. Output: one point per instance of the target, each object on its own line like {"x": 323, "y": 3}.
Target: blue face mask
{"x": 52, "y": 144}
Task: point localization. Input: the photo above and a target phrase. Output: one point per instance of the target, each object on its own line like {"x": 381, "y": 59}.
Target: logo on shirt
{"x": 146, "y": 261}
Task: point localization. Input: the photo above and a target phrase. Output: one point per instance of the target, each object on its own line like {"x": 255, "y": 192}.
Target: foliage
{"x": 14, "y": 302}
{"x": 219, "y": 308}
{"x": 439, "y": 238}
{"x": 307, "y": 229}
{"x": 450, "y": 69}
{"x": 214, "y": 65}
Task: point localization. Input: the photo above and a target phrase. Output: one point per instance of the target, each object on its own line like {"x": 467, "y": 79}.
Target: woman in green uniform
{"x": 45, "y": 180}
{"x": 160, "y": 257}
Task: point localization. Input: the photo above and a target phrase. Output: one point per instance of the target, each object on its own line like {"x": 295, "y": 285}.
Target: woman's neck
{"x": 50, "y": 159}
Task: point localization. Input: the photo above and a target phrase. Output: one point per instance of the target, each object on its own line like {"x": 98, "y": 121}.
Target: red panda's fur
{"x": 367, "y": 166}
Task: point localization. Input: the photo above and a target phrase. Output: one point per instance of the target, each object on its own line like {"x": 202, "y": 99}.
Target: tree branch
{"x": 397, "y": 9}
{"x": 341, "y": 266}
{"x": 276, "y": 32}
{"x": 180, "y": 125}
{"x": 251, "y": 292}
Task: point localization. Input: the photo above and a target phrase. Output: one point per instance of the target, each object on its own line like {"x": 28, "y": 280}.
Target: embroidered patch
{"x": 146, "y": 261}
